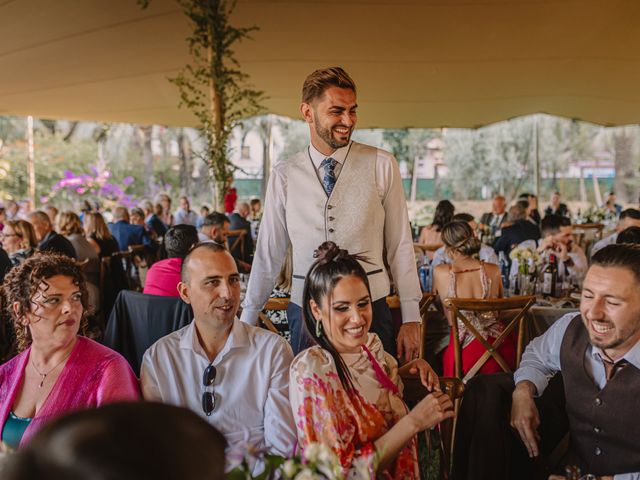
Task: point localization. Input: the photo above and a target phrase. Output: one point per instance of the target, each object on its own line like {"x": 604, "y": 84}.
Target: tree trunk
{"x": 184, "y": 156}
{"x": 147, "y": 159}
{"x": 623, "y": 162}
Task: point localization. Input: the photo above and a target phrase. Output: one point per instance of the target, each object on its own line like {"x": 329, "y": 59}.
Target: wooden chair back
{"x": 414, "y": 391}
{"x": 238, "y": 240}
{"x": 272, "y": 304}
{"x": 588, "y": 233}
{"x": 519, "y": 305}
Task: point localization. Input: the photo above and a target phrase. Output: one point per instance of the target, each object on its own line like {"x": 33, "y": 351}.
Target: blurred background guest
{"x": 166, "y": 216}
{"x": 18, "y": 240}
{"x": 611, "y": 205}
{"x": 126, "y": 233}
{"x": 152, "y": 221}
{"x": 98, "y": 235}
{"x": 467, "y": 277}
{"x": 430, "y": 235}
{"x": 12, "y": 210}
{"x": 163, "y": 276}
{"x": 238, "y": 220}
{"x": 518, "y": 230}
{"x": 184, "y": 214}
{"x": 48, "y": 239}
{"x": 629, "y": 235}
{"x": 57, "y": 370}
{"x": 534, "y": 213}
{"x": 52, "y": 213}
{"x": 556, "y": 207}
{"x": 486, "y": 253}
{"x": 136, "y": 216}
{"x": 204, "y": 211}
{"x": 494, "y": 219}
{"x": 628, "y": 218}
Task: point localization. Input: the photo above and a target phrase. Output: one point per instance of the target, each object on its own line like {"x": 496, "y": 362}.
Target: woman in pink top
{"x": 57, "y": 370}
{"x": 163, "y": 276}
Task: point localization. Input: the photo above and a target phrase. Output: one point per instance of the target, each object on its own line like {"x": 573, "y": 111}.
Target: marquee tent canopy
{"x": 417, "y": 63}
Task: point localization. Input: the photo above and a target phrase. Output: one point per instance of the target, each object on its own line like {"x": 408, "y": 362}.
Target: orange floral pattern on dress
{"x": 344, "y": 420}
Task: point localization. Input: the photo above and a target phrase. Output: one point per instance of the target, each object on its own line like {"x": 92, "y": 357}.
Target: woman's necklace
{"x": 44, "y": 375}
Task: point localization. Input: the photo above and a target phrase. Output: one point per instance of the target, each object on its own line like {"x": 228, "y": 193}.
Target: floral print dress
{"x": 350, "y": 422}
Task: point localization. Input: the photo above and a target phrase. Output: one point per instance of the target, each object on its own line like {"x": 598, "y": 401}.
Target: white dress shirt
{"x": 183, "y": 217}
{"x": 251, "y": 387}
{"x": 486, "y": 254}
{"x": 273, "y": 240}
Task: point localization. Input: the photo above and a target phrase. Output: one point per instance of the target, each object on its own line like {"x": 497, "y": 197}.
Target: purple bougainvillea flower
{"x": 127, "y": 181}
{"x": 81, "y": 190}
{"x": 68, "y": 174}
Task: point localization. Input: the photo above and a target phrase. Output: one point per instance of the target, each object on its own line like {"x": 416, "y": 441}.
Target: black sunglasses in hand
{"x": 208, "y": 397}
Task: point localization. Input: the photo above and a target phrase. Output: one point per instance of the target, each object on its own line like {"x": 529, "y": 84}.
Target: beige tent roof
{"x": 417, "y": 63}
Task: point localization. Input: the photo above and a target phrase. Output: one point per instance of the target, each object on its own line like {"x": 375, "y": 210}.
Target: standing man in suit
{"x": 346, "y": 192}
{"x": 496, "y": 216}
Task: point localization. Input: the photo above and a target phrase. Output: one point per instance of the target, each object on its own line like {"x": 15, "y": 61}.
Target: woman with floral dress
{"x": 346, "y": 391}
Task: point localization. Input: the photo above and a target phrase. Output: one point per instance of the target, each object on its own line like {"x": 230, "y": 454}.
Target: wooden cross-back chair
{"x": 519, "y": 305}
{"x": 393, "y": 301}
{"x": 272, "y": 304}
{"x": 414, "y": 391}
{"x": 238, "y": 240}
{"x": 588, "y": 233}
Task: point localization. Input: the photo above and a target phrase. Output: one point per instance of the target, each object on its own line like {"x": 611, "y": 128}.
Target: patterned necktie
{"x": 329, "y": 180}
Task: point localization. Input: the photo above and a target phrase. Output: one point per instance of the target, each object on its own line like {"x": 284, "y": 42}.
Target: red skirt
{"x": 472, "y": 353}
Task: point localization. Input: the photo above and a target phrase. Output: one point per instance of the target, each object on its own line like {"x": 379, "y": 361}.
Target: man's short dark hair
{"x": 523, "y": 203}
{"x": 462, "y": 217}
{"x": 215, "y": 219}
{"x": 629, "y": 235}
{"x": 623, "y": 255}
{"x": 212, "y": 246}
{"x": 317, "y": 82}
{"x": 179, "y": 239}
{"x": 633, "y": 213}
{"x": 551, "y": 224}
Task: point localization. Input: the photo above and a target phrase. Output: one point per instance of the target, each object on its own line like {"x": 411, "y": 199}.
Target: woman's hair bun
{"x": 328, "y": 252}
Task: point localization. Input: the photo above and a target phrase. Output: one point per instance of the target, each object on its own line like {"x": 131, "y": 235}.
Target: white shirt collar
{"x": 238, "y": 338}
{"x": 339, "y": 155}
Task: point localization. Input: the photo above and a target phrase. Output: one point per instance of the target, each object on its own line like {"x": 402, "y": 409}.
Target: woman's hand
{"x": 428, "y": 376}
{"x": 432, "y": 410}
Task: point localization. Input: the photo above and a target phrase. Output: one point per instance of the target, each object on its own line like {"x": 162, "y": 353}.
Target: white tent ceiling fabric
{"x": 417, "y": 63}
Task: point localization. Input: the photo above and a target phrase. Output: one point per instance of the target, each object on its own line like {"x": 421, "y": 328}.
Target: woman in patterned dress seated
{"x": 346, "y": 391}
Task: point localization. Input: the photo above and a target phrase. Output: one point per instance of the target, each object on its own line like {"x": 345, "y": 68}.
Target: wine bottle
{"x": 550, "y": 278}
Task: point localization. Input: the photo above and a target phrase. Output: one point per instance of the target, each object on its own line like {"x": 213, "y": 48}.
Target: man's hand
{"x": 524, "y": 416}
{"x": 408, "y": 341}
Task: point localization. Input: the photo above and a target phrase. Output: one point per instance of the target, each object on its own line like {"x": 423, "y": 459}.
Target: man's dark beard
{"x": 326, "y": 135}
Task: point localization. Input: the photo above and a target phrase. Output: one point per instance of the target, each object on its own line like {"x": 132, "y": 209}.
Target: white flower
{"x": 290, "y": 468}
{"x": 326, "y": 456}
{"x": 307, "y": 474}
{"x": 312, "y": 452}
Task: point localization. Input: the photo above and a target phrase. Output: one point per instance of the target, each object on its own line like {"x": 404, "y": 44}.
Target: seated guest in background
{"x": 57, "y": 370}
{"x": 486, "y": 254}
{"x": 48, "y": 239}
{"x": 125, "y": 233}
{"x": 3, "y": 218}
{"x": 204, "y": 211}
{"x": 98, "y": 235}
{"x": 52, "y": 213}
{"x": 238, "y": 221}
{"x": 498, "y": 214}
{"x": 430, "y": 235}
{"x": 597, "y": 351}
{"x": 628, "y": 218}
{"x": 629, "y": 235}
{"x": 611, "y": 205}
{"x": 519, "y": 229}
{"x": 533, "y": 213}
{"x": 19, "y": 240}
{"x": 234, "y": 375}
{"x": 127, "y": 441}
{"x": 556, "y": 207}
{"x": 255, "y": 217}
{"x": 184, "y": 214}
{"x": 346, "y": 391}
{"x": 166, "y": 216}
{"x": 215, "y": 228}
{"x": 557, "y": 238}
{"x": 136, "y": 216}
{"x": 152, "y": 221}
{"x": 12, "y": 210}
{"x": 70, "y": 226}
{"x": 467, "y": 277}
{"x": 163, "y": 276}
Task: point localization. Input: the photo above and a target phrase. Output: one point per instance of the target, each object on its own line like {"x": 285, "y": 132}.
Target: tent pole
{"x": 536, "y": 165}
{"x": 31, "y": 168}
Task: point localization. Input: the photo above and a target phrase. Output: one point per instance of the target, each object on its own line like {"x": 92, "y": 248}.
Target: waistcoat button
{"x": 598, "y": 402}
{"x": 596, "y": 429}
{"x": 597, "y": 451}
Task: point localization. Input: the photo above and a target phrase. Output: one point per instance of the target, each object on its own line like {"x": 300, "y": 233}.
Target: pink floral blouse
{"x": 350, "y": 422}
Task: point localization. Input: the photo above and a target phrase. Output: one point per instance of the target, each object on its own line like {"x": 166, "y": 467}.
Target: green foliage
{"x": 213, "y": 87}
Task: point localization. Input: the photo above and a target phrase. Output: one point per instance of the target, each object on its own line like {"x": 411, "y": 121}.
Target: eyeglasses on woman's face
{"x": 208, "y": 397}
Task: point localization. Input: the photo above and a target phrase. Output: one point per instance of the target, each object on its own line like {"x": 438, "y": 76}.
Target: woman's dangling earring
{"x": 318, "y": 328}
